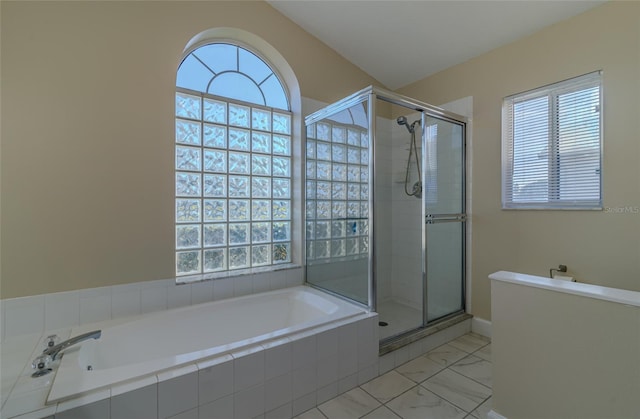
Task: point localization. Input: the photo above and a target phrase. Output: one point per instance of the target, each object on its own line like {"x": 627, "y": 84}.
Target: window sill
{"x": 190, "y": 279}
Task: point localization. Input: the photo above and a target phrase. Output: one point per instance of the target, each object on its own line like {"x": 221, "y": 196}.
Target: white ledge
{"x": 598, "y": 292}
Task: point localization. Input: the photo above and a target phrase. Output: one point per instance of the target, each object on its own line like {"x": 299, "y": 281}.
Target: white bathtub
{"x": 148, "y": 344}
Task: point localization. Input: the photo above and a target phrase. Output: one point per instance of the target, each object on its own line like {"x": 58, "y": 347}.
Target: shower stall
{"x": 385, "y": 208}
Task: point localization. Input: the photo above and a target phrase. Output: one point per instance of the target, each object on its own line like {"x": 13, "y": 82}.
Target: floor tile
{"x": 475, "y": 368}
{"x": 458, "y": 389}
{"x": 420, "y": 369}
{"x": 484, "y": 353}
{"x": 352, "y": 404}
{"x": 420, "y": 403}
{"x": 482, "y": 412}
{"x": 311, "y": 414}
{"x": 446, "y": 355}
{"x": 388, "y": 386}
{"x": 382, "y": 412}
{"x": 470, "y": 342}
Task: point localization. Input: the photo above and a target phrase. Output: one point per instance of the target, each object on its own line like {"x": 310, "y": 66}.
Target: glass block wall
{"x": 233, "y": 184}
{"x": 337, "y": 192}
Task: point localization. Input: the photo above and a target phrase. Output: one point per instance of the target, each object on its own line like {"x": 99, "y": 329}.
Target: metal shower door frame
{"x": 430, "y": 218}
{"x": 371, "y": 93}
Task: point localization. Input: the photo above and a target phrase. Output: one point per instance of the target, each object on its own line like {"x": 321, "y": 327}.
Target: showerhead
{"x": 402, "y": 120}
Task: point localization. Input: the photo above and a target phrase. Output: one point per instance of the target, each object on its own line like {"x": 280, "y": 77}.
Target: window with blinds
{"x": 552, "y": 146}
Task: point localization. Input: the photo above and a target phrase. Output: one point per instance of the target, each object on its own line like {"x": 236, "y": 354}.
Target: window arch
{"x": 228, "y": 70}
{"x": 233, "y": 162}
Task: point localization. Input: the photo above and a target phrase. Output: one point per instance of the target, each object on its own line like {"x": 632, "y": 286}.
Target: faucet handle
{"x": 41, "y": 362}
{"x": 41, "y": 365}
{"x": 52, "y": 340}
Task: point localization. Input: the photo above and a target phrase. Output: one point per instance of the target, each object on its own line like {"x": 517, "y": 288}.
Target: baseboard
{"x": 495, "y": 415}
{"x": 481, "y": 327}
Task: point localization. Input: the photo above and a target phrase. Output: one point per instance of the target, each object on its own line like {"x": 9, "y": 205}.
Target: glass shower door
{"x": 444, "y": 203}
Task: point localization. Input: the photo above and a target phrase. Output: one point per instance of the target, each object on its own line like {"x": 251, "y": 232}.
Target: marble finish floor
{"x": 452, "y": 381}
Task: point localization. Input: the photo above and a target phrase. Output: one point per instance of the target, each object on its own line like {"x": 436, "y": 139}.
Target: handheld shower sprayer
{"x": 402, "y": 120}
{"x": 413, "y": 150}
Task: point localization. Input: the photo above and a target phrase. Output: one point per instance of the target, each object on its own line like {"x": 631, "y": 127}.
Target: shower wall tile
{"x": 61, "y": 309}
{"x": 242, "y": 286}
{"x": 140, "y": 403}
{"x": 219, "y": 409}
{"x": 222, "y": 288}
{"x": 304, "y": 380}
{"x": 177, "y": 395}
{"x": 125, "y": 300}
{"x": 95, "y": 305}
{"x": 304, "y": 403}
{"x": 327, "y": 371}
{"x": 2, "y": 319}
{"x": 327, "y": 343}
{"x": 248, "y": 369}
{"x": 368, "y": 373}
{"x": 39, "y": 313}
{"x": 295, "y": 276}
{"x": 279, "y": 280}
{"x": 278, "y": 391}
{"x": 347, "y": 350}
{"x": 304, "y": 351}
{"x": 261, "y": 282}
{"x": 24, "y": 315}
{"x": 327, "y": 393}
{"x": 97, "y": 410}
{"x": 203, "y": 292}
{"x": 179, "y": 296}
{"x": 189, "y": 414}
{"x": 278, "y": 358}
{"x": 285, "y": 411}
{"x": 215, "y": 379}
{"x": 153, "y": 297}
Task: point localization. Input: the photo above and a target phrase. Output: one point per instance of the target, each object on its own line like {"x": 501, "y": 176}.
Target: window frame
{"x": 293, "y": 156}
{"x": 552, "y": 92}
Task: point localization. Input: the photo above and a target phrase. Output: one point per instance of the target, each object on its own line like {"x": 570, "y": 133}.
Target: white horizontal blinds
{"x": 552, "y": 146}
{"x": 577, "y": 123}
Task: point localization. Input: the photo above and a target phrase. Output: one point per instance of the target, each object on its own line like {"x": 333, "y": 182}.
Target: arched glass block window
{"x": 233, "y": 163}
{"x": 231, "y": 71}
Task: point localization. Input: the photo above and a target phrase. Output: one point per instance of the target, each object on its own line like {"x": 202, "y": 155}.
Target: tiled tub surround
{"x": 38, "y": 313}
{"x": 280, "y": 377}
{"x": 141, "y": 399}
{"x": 24, "y": 320}
{"x": 170, "y": 339}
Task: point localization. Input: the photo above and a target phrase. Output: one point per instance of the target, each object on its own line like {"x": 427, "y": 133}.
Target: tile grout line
{"x": 468, "y": 414}
{"x": 473, "y": 379}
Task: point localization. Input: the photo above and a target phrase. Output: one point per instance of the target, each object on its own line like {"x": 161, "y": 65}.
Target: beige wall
{"x": 87, "y": 131}
{"x": 598, "y": 247}
{"x": 577, "y": 358}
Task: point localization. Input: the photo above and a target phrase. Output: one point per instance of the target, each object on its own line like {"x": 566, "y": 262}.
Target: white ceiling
{"x": 399, "y": 42}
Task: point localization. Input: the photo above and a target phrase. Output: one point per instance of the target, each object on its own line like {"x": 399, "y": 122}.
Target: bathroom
{"x": 88, "y": 182}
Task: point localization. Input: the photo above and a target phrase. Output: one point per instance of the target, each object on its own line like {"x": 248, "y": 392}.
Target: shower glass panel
{"x": 337, "y": 201}
{"x": 444, "y": 216}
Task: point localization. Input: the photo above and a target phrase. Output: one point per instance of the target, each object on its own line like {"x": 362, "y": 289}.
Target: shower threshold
{"x": 396, "y": 342}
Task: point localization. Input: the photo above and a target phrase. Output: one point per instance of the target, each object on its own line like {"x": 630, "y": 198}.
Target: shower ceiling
{"x": 398, "y": 42}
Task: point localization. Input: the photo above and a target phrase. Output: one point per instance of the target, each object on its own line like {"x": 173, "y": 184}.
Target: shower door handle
{"x": 445, "y": 218}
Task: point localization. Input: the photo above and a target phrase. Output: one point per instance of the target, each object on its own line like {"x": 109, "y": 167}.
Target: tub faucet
{"x": 41, "y": 363}
{"x": 56, "y": 349}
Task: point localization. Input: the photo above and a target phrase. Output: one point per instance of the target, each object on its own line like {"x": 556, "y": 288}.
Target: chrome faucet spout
{"x": 55, "y": 350}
